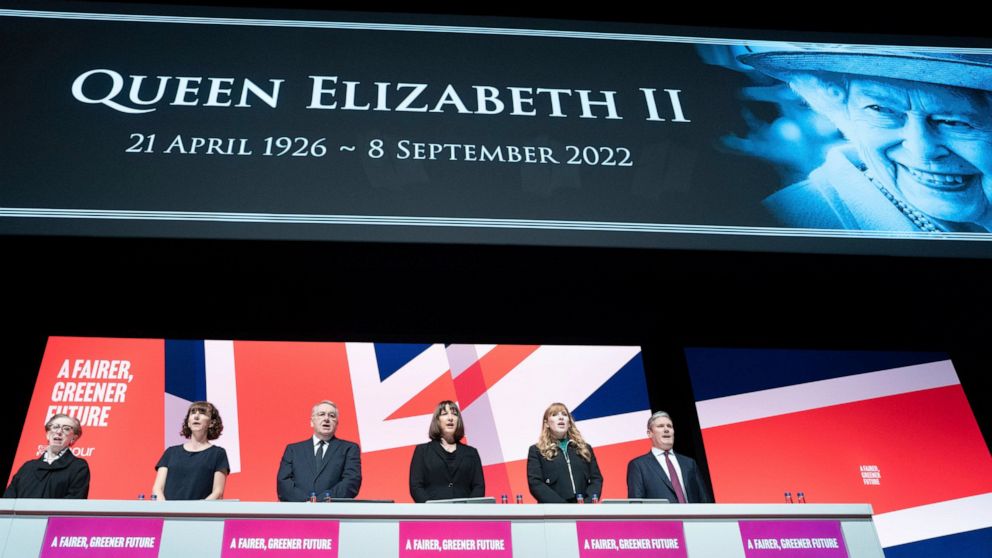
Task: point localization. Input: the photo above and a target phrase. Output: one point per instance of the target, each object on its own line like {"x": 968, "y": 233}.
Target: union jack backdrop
{"x": 893, "y": 429}
{"x": 385, "y": 392}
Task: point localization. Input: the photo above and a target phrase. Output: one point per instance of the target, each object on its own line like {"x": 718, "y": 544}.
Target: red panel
{"x": 386, "y": 474}
{"x": 498, "y": 481}
{"x": 470, "y": 385}
{"x": 278, "y": 384}
{"x": 613, "y": 462}
{"x": 125, "y": 435}
{"x": 926, "y": 445}
{"x": 516, "y": 471}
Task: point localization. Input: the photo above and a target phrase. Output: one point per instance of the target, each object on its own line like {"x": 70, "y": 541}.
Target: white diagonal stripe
{"x": 934, "y": 520}
{"x": 376, "y": 400}
{"x": 468, "y": 222}
{"x": 222, "y": 391}
{"x": 823, "y": 393}
{"x": 476, "y": 30}
{"x": 613, "y": 429}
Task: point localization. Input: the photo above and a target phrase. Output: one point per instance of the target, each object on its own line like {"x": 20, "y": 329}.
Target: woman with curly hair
{"x": 197, "y": 469}
{"x": 561, "y": 465}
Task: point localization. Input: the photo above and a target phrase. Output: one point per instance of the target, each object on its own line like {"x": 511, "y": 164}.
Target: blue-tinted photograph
{"x": 869, "y": 138}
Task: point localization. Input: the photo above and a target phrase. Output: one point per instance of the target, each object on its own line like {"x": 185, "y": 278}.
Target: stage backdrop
{"x": 892, "y": 429}
{"x": 132, "y": 395}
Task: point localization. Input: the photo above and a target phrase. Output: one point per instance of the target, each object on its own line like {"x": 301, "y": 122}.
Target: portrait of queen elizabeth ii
{"x": 917, "y": 131}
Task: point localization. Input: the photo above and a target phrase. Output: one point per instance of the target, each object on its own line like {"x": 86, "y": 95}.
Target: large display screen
{"x": 892, "y": 429}
{"x": 223, "y": 124}
{"x": 131, "y": 396}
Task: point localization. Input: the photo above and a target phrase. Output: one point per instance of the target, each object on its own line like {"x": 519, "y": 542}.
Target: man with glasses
{"x": 57, "y": 473}
{"x": 323, "y": 465}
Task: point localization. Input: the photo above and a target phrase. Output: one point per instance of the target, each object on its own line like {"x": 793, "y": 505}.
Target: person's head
{"x": 661, "y": 431}
{"x": 557, "y": 422}
{"x": 447, "y": 422}
{"x": 202, "y": 416}
{"x": 62, "y": 431}
{"x": 557, "y": 425}
{"x": 922, "y": 123}
{"x": 324, "y": 419}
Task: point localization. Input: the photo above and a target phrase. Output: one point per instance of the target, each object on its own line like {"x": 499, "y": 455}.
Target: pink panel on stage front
{"x": 244, "y": 538}
{"x": 631, "y": 539}
{"x": 793, "y": 539}
{"x": 101, "y": 537}
{"x": 469, "y": 539}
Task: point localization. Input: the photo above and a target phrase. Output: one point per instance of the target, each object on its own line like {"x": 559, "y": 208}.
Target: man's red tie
{"x": 673, "y": 474}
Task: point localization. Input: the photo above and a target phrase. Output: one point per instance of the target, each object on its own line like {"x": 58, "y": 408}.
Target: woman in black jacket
{"x": 445, "y": 468}
{"x": 561, "y": 465}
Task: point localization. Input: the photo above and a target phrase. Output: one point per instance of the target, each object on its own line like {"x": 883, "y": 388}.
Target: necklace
{"x": 921, "y": 221}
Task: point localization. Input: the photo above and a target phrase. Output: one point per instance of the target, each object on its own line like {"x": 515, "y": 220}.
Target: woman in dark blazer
{"x": 445, "y": 468}
{"x": 561, "y": 464}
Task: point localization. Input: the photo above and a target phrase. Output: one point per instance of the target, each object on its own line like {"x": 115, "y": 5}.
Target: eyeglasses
{"x": 65, "y": 428}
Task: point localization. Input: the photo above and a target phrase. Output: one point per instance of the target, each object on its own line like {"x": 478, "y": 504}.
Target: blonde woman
{"x": 561, "y": 465}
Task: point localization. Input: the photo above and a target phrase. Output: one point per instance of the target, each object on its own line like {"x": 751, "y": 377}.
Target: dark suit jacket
{"x": 431, "y": 479}
{"x": 646, "y": 479}
{"x": 340, "y": 473}
{"x": 550, "y": 483}
{"x": 67, "y": 477}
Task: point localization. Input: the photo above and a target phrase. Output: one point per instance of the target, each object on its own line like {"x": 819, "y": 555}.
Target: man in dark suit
{"x": 662, "y": 473}
{"x": 321, "y": 464}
